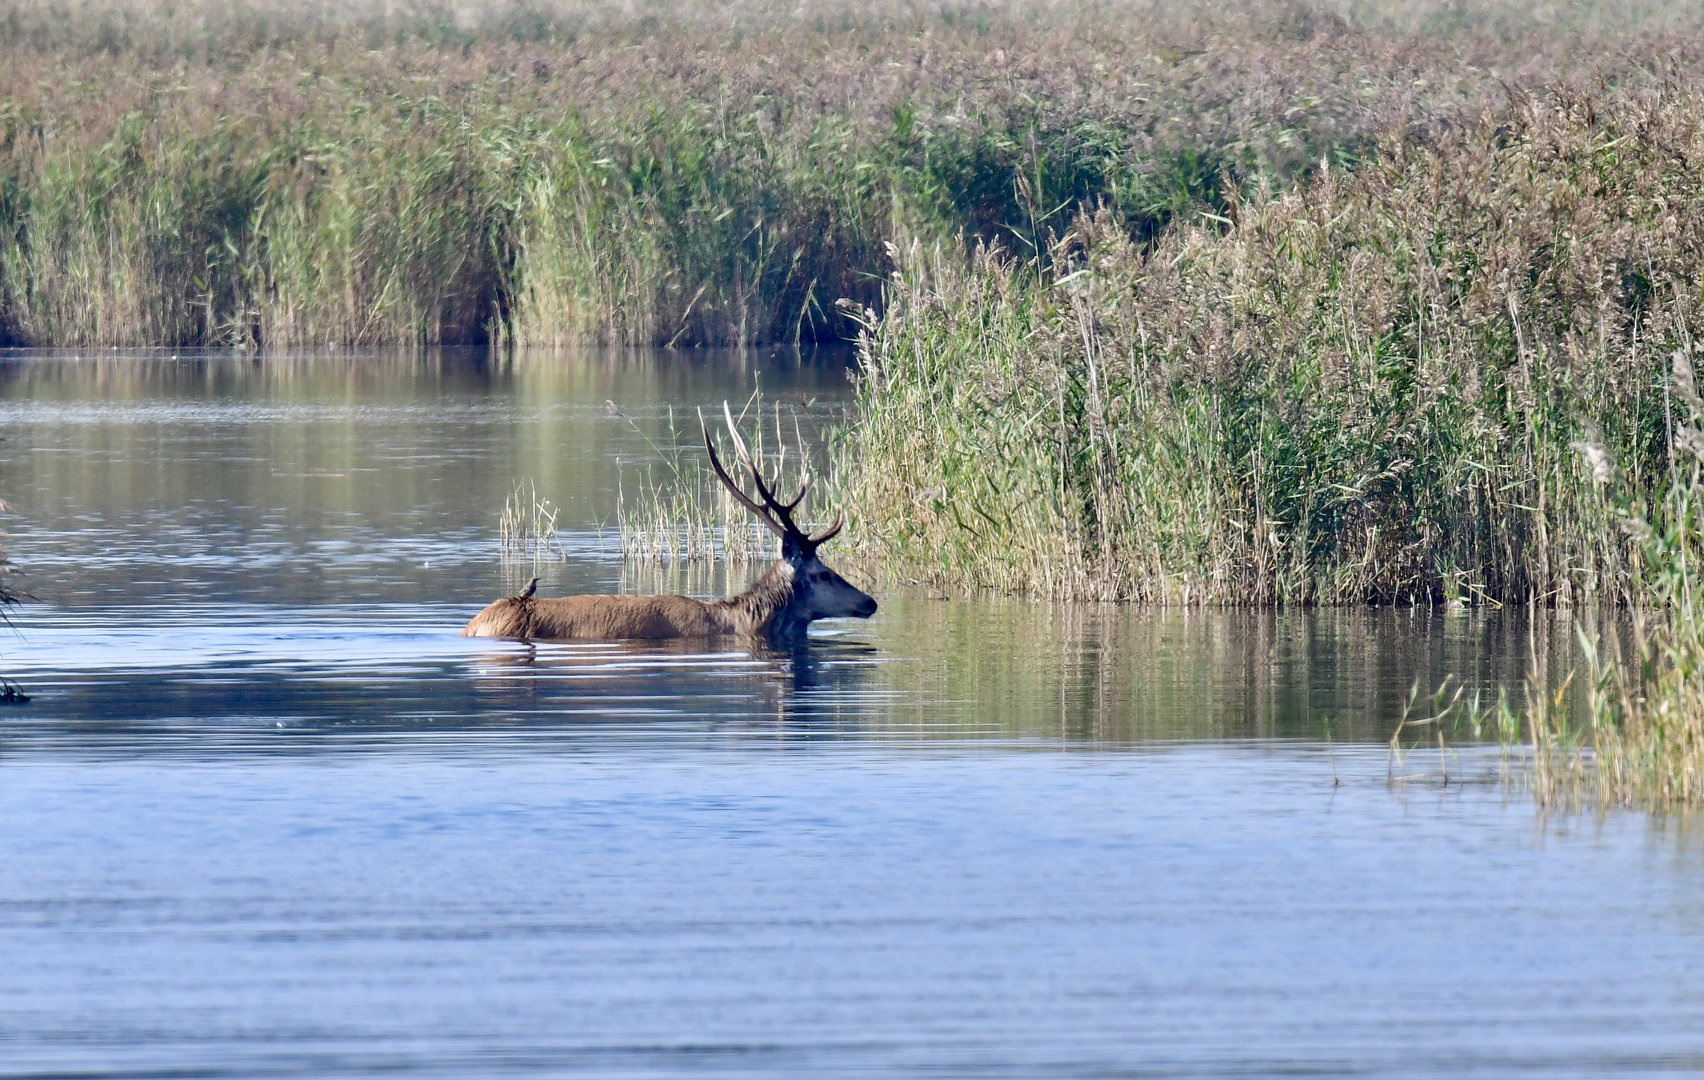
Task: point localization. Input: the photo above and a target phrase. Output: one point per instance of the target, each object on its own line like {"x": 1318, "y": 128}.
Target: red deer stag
{"x": 796, "y": 591}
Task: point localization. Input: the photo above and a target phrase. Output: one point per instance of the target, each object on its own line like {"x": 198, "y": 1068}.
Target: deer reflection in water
{"x": 737, "y": 682}
{"x": 775, "y": 611}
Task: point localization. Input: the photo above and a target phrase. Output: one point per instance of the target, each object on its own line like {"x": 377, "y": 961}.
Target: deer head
{"x": 818, "y": 592}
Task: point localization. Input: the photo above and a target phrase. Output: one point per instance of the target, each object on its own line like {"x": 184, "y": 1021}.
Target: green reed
{"x": 720, "y": 173}
{"x": 1368, "y": 389}
{"x": 1643, "y": 740}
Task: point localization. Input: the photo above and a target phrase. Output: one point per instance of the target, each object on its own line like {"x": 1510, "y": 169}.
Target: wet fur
{"x": 759, "y": 612}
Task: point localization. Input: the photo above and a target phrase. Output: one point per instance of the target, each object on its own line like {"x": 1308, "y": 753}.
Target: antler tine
{"x": 763, "y": 514}
{"x": 834, "y": 530}
{"x": 804, "y": 486}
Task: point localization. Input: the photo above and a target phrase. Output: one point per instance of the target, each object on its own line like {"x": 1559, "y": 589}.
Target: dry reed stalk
{"x": 526, "y": 528}
{"x": 10, "y": 597}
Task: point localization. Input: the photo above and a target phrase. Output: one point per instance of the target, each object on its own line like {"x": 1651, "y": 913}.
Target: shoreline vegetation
{"x": 1267, "y": 302}
{"x": 1411, "y": 382}
{"x": 533, "y": 173}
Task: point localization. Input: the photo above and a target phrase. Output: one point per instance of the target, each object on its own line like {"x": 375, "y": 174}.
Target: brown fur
{"x": 617, "y": 618}
{"x": 778, "y": 609}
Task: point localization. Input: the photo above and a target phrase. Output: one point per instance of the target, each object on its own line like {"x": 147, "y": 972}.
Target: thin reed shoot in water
{"x": 10, "y": 597}
{"x": 526, "y": 528}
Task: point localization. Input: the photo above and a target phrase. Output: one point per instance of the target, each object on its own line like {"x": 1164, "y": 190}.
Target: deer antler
{"x": 728, "y": 481}
{"x": 775, "y": 514}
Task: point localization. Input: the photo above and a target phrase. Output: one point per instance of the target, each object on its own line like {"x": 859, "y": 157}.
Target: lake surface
{"x": 268, "y": 815}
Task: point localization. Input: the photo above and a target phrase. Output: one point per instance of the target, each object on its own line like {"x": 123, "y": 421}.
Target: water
{"x": 269, "y": 815}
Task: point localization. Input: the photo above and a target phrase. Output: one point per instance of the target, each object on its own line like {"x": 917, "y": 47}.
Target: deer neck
{"x": 766, "y": 609}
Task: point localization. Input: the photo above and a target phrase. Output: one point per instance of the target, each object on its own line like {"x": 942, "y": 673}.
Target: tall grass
{"x": 1367, "y": 389}
{"x": 712, "y": 173}
{"x": 1644, "y": 683}
{"x": 682, "y": 514}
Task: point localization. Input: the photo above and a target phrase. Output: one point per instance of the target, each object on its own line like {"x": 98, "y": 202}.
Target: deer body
{"x": 599, "y": 618}
{"x": 776, "y": 609}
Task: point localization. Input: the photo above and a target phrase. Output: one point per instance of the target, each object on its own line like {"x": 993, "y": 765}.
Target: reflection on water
{"x": 1084, "y": 675}
{"x": 239, "y": 541}
{"x": 269, "y": 813}
{"x": 344, "y": 480}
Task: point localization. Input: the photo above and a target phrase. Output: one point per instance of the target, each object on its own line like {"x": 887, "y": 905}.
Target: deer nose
{"x": 866, "y": 608}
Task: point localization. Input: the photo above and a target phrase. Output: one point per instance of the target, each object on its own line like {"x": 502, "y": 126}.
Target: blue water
{"x": 269, "y": 815}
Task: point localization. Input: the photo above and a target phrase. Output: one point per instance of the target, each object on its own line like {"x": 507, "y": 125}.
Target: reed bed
{"x": 1370, "y": 388}
{"x": 1458, "y": 374}
{"x": 1643, "y": 743}
{"x": 1268, "y": 302}
{"x": 704, "y": 173}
